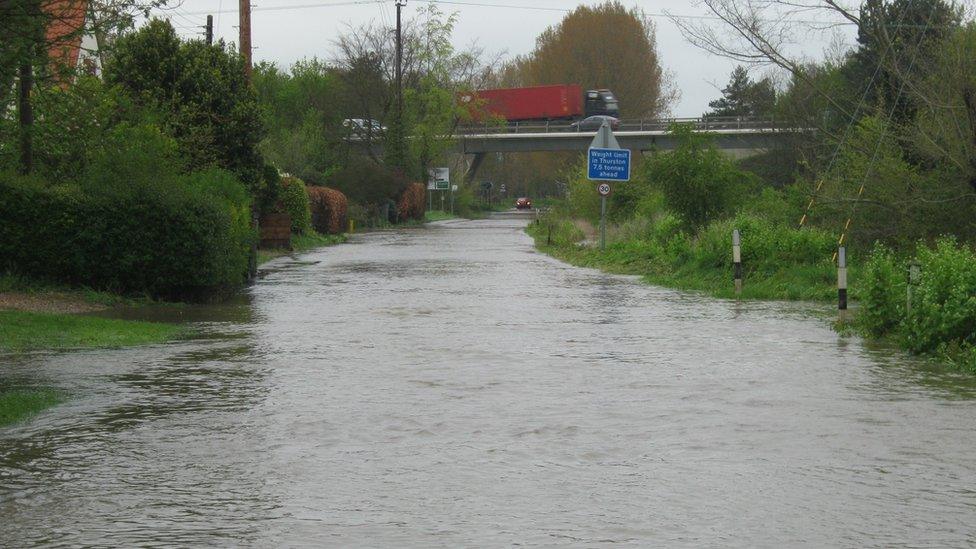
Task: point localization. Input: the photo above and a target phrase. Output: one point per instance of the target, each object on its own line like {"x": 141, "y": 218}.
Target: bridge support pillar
{"x": 475, "y": 165}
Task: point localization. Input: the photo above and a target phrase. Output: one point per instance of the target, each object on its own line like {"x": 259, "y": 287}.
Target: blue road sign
{"x": 609, "y": 164}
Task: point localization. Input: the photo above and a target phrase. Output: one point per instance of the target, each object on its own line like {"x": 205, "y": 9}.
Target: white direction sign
{"x": 440, "y": 179}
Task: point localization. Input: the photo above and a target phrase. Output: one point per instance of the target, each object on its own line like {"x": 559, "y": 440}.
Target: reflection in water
{"x": 448, "y": 386}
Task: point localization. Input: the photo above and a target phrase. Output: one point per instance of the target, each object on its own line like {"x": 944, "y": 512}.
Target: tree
{"x": 31, "y": 29}
{"x": 434, "y": 72}
{"x": 906, "y": 82}
{"x": 893, "y": 35}
{"x": 200, "y": 94}
{"x": 699, "y": 182}
{"x": 305, "y": 133}
{"x": 605, "y": 46}
{"x": 944, "y": 130}
{"x": 743, "y": 97}
{"x": 895, "y": 39}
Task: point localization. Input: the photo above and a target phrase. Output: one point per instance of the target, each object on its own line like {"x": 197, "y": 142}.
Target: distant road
{"x": 515, "y": 214}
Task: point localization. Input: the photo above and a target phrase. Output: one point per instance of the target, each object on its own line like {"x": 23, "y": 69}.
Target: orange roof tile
{"x": 64, "y": 32}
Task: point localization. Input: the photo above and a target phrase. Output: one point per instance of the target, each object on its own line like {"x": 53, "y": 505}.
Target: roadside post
{"x": 454, "y": 189}
{"x": 486, "y": 192}
{"x": 842, "y": 283}
{"x": 737, "y": 260}
{"x": 439, "y": 180}
{"x": 606, "y": 163}
{"x": 914, "y": 273}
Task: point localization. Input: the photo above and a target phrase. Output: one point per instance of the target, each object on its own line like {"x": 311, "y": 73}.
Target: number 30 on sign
{"x": 603, "y": 189}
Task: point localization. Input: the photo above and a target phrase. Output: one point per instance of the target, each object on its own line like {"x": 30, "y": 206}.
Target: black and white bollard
{"x": 842, "y": 283}
{"x": 737, "y": 260}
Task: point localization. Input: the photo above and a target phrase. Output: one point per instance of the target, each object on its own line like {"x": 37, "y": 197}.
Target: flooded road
{"x": 448, "y": 386}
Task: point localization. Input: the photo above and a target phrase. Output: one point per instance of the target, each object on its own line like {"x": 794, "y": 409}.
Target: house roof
{"x": 65, "y": 32}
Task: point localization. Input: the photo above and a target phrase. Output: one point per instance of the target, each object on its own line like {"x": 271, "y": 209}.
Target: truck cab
{"x": 600, "y": 102}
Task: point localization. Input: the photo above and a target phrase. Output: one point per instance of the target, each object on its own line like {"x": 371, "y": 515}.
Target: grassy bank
{"x": 70, "y": 299}
{"x": 20, "y": 404}
{"x": 438, "y": 215}
{"x": 783, "y": 263}
{"x": 302, "y": 243}
{"x": 778, "y": 264}
{"x": 26, "y": 331}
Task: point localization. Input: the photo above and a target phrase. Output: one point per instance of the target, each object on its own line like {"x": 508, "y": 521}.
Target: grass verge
{"x": 302, "y": 243}
{"x": 17, "y": 284}
{"x": 24, "y": 331}
{"x": 20, "y": 404}
{"x": 437, "y": 215}
{"x": 678, "y": 265}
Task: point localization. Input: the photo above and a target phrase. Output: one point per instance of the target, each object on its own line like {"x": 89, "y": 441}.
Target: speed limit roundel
{"x": 603, "y": 189}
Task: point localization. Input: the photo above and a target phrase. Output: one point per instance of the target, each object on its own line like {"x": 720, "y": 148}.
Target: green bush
{"x": 767, "y": 247}
{"x": 293, "y": 200}
{"x": 466, "y": 204}
{"x": 944, "y": 304}
{"x": 198, "y": 94}
{"x": 943, "y": 316}
{"x": 132, "y": 223}
{"x": 583, "y": 200}
{"x": 882, "y": 302}
{"x": 699, "y": 182}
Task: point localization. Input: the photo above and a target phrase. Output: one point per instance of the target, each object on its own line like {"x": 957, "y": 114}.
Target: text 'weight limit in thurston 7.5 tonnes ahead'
{"x": 609, "y": 164}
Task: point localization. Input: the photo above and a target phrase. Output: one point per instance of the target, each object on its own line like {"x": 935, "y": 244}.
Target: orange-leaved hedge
{"x": 329, "y": 209}
{"x": 412, "y": 202}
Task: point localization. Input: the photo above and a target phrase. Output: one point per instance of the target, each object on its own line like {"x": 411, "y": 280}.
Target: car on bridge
{"x": 593, "y": 123}
{"x": 523, "y": 203}
{"x": 363, "y": 127}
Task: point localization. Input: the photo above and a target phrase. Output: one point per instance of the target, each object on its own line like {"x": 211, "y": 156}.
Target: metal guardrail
{"x": 708, "y": 123}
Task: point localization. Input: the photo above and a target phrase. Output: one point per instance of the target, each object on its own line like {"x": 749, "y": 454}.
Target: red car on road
{"x": 523, "y": 203}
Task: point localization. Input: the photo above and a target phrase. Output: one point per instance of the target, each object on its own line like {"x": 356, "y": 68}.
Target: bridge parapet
{"x": 706, "y": 124}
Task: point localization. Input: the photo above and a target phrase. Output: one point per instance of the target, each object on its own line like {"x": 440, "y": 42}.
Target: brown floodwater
{"x": 449, "y": 386}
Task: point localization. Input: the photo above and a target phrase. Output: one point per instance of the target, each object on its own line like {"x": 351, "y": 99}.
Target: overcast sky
{"x": 287, "y": 30}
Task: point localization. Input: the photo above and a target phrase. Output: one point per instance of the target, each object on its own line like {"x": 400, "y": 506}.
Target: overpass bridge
{"x": 740, "y": 137}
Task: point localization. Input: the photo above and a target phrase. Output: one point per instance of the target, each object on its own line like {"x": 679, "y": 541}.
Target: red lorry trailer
{"x": 557, "y": 102}
{"x": 535, "y": 103}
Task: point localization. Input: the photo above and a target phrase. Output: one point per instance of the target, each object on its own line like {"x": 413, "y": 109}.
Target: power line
{"x": 884, "y": 132}
{"x": 850, "y": 125}
{"x": 481, "y": 4}
{"x": 315, "y": 5}
{"x": 297, "y": 6}
{"x": 487, "y": 5}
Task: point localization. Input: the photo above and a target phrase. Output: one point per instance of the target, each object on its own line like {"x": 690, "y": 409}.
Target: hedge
{"x": 293, "y": 200}
{"x": 412, "y": 202}
{"x": 329, "y": 209}
{"x": 184, "y": 238}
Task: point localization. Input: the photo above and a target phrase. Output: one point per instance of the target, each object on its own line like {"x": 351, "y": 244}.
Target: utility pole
{"x": 399, "y": 62}
{"x": 245, "y": 37}
{"x": 25, "y": 111}
{"x": 245, "y": 40}
{"x": 209, "y": 28}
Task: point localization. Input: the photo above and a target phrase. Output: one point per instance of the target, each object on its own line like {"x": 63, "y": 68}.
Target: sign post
{"x": 606, "y": 162}
{"x": 439, "y": 180}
